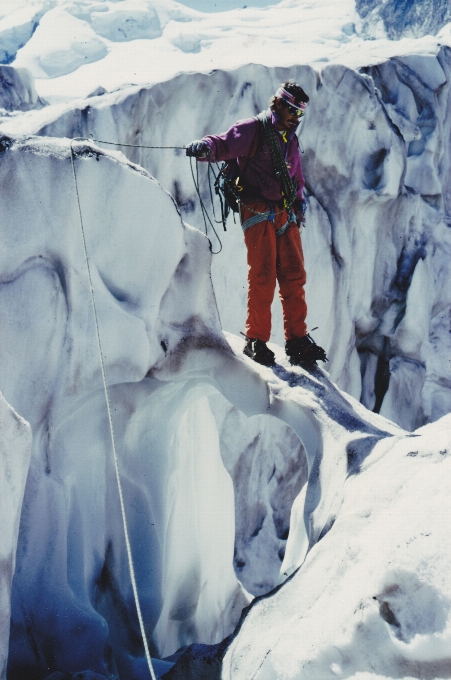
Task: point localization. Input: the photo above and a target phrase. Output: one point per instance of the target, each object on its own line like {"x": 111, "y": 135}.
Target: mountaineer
{"x": 268, "y": 184}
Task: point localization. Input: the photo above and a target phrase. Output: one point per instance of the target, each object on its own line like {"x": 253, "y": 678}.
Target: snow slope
{"x": 373, "y": 597}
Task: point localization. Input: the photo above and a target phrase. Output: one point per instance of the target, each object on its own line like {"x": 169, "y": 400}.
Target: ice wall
{"x": 376, "y": 159}
{"x": 373, "y": 596}
{"x": 15, "y": 451}
{"x": 165, "y": 357}
{"x": 398, "y": 18}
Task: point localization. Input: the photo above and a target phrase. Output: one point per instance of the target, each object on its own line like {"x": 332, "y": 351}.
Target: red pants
{"x": 272, "y": 257}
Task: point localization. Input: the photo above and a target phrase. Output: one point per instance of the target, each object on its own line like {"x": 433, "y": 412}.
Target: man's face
{"x": 288, "y": 120}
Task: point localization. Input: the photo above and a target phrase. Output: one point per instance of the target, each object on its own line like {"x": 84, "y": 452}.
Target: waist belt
{"x": 269, "y": 216}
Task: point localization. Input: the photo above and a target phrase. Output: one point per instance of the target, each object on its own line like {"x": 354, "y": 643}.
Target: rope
{"x": 110, "y": 421}
{"x": 135, "y": 146}
{"x": 205, "y": 214}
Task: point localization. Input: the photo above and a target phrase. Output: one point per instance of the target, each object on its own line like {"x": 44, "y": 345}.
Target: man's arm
{"x": 235, "y": 142}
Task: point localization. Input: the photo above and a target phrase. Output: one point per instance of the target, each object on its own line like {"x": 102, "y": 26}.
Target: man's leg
{"x": 291, "y": 276}
{"x": 260, "y": 241}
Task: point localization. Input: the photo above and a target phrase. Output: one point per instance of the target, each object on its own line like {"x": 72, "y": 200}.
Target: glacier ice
{"x": 377, "y": 238}
{"x": 214, "y": 449}
{"x": 372, "y": 598}
{"x": 396, "y": 19}
{"x": 17, "y": 90}
{"x": 374, "y": 594}
{"x": 61, "y": 44}
{"x": 18, "y": 26}
{"x": 15, "y": 452}
{"x": 180, "y": 392}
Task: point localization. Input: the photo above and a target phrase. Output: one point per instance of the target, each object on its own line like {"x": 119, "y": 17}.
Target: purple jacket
{"x": 260, "y": 176}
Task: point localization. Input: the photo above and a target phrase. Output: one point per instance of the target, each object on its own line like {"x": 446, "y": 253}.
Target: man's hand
{"x": 198, "y": 149}
{"x": 300, "y": 208}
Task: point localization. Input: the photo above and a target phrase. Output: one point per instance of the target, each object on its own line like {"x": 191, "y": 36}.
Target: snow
{"x": 366, "y": 597}
{"x": 18, "y": 25}
{"x": 377, "y": 237}
{"x": 222, "y": 460}
{"x": 46, "y": 54}
{"x": 150, "y": 41}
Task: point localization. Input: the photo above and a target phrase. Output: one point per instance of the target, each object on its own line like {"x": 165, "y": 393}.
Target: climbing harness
{"x": 110, "y": 422}
{"x": 227, "y": 180}
{"x": 270, "y": 216}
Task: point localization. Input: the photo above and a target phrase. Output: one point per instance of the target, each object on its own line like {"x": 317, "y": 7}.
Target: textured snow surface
{"x": 397, "y": 18}
{"x": 377, "y": 242}
{"x": 75, "y": 46}
{"x": 15, "y": 451}
{"x": 375, "y": 593}
{"x": 154, "y": 304}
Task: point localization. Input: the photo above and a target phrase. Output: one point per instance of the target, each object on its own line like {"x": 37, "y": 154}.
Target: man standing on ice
{"x": 272, "y": 209}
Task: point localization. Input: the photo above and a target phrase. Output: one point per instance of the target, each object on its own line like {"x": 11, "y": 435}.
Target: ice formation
{"x": 213, "y": 449}
{"x": 15, "y": 452}
{"x": 178, "y": 395}
{"x": 377, "y": 165}
{"x": 17, "y": 90}
{"x": 155, "y": 306}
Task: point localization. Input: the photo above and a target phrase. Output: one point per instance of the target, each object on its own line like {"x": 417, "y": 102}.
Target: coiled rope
{"x": 205, "y": 215}
{"x": 110, "y": 422}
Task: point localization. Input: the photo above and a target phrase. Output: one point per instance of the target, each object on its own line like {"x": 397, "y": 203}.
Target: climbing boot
{"x": 304, "y": 352}
{"x": 259, "y": 352}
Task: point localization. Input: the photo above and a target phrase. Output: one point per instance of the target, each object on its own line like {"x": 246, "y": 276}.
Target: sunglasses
{"x": 295, "y": 112}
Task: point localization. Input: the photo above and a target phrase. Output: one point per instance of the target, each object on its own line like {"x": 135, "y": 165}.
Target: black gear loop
{"x": 205, "y": 214}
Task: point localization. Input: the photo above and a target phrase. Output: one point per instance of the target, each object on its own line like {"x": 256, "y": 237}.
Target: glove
{"x": 300, "y": 208}
{"x": 198, "y": 149}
